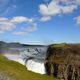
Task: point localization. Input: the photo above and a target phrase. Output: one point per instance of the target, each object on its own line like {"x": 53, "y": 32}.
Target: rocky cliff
{"x": 63, "y": 61}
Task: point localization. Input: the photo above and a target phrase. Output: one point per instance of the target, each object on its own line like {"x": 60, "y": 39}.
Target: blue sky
{"x": 40, "y": 21}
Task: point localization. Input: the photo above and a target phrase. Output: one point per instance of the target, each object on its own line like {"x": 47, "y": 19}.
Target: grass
{"x": 19, "y": 72}
{"x": 58, "y": 45}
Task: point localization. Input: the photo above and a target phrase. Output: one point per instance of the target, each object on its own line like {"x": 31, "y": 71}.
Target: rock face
{"x": 63, "y": 61}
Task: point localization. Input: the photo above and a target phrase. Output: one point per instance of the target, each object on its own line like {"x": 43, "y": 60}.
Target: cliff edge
{"x": 63, "y": 61}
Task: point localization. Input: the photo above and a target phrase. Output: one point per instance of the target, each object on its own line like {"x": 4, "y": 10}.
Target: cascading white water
{"x": 35, "y": 57}
{"x": 14, "y": 57}
{"x": 35, "y": 66}
{"x": 32, "y": 57}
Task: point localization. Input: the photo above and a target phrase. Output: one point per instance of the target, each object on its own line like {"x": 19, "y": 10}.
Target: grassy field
{"x": 16, "y": 71}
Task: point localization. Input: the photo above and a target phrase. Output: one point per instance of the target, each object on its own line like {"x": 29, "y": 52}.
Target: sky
{"x": 40, "y": 21}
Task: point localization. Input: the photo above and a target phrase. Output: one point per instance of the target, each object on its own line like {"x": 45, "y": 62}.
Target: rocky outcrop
{"x": 63, "y": 61}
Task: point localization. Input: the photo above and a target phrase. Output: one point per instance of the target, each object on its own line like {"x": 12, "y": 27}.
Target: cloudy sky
{"x": 40, "y": 21}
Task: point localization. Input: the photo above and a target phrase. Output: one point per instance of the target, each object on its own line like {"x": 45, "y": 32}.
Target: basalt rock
{"x": 63, "y": 61}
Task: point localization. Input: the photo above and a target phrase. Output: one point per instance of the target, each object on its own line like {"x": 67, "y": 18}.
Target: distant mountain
{"x": 15, "y": 44}
{"x": 5, "y": 47}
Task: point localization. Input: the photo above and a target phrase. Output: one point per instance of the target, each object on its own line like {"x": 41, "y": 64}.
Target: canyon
{"x": 59, "y": 60}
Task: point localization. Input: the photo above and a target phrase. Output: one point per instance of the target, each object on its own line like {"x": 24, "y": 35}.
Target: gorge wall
{"x": 63, "y": 61}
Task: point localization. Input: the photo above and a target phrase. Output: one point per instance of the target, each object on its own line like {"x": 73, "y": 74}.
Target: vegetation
{"x": 10, "y": 70}
{"x": 59, "y": 45}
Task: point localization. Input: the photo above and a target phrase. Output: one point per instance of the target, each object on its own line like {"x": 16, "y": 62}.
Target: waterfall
{"x": 35, "y": 66}
{"x": 32, "y": 57}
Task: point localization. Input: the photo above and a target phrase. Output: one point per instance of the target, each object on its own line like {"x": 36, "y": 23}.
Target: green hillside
{"x": 10, "y": 70}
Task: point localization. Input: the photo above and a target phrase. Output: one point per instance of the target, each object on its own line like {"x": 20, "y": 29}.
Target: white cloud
{"x": 3, "y": 19}
{"x": 57, "y": 7}
{"x": 25, "y": 31}
{"x": 77, "y": 20}
{"x": 21, "y": 19}
{"x": 30, "y": 29}
{"x": 20, "y": 33}
{"x": 49, "y": 10}
{"x": 45, "y": 18}
{"x": 7, "y": 27}
{"x": 68, "y": 9}
{"x": 11, "y": 24}
{"x": 78, "y": 2}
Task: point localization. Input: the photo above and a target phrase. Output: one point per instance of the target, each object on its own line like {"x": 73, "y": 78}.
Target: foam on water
{"x": 14, "y": 57}
{"x": 35, "y": 66}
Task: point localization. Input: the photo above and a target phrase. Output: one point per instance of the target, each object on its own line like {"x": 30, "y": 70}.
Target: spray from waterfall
{"x": 34, "y": 58}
